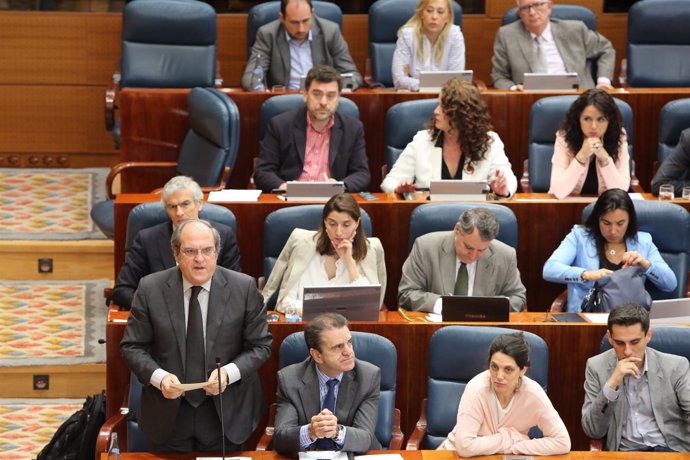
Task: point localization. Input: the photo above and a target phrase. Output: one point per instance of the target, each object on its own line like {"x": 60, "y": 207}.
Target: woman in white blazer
{"x": 458, "y": 144}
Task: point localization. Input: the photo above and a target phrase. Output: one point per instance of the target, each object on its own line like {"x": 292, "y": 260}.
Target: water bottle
{"x": 258, "y": 77}
{"x": 114, "y": 450}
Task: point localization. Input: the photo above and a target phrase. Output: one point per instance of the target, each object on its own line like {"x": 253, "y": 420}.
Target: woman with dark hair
{"x": 500, "y": 406}
{"x": 591, "y": 150}
{"x": 608, "y": 241}
{"x": 458, "y": 144}
{"x": 337, "y": 253}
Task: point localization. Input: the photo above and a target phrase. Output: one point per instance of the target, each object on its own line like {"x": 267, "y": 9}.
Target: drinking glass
{"x": 666, "y": 192}
{"x": 686, "y": 193}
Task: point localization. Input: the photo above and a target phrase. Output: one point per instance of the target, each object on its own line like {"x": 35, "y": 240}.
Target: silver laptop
{"x": 460, "y": 308}
{"x": 670, "y": 311}
{"x": 458, "y": 190}
{"x": 551, "y": 81}
{"x": 312, "y": 191}
{"x": 356, "y": 303}
{"x": 431, "y": 81}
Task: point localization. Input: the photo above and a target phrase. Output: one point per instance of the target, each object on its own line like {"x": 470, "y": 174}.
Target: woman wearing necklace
{"x": 500, "y": 406}
{"x": 608, "y": 241}
{"x": 458, "y": 144}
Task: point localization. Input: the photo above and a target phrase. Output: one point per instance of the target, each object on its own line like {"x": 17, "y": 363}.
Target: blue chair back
{"x": 440, "y": 217}
{"x": 403, "y": 120}
{"x": 565, "y": 12}
{"x": 263, "y": 13}
{"x": 659, "y": 43}
{"x": 666, "y": 339}
{"x": 673, "y": 118}
{"x": 656, "y": 218}
{"x": 278, "y": 104}
{"x": 136, "y": 441}
{"x": 545, "y": 117}
{"x": 386, "y": 17}
{"x": 368, "y": 347}
{"x": 449, "y": 373}
{"x": 168, "y": 44}
{"x": 147, "y": 215}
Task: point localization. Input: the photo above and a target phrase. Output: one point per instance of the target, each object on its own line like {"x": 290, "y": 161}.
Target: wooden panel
{"x": 65, "y": 381}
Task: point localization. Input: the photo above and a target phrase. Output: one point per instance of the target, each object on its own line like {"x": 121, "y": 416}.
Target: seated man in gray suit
{"x": 675, "y": 169}
{"x": 150, "y": 251}
{"x": 330, "y": 400}
{"x": 538, "y": 43}
{"x": 484, "y": 265}
{"x": 185, "y": 321}
{"x": 637, "y": 397}
{"x": 288, "y": 47}
{"x": 314, "y": 143}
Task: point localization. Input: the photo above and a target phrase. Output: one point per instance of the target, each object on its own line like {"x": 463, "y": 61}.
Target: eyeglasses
{"x": 192, "y": 252}
{"x": 186, "y": 204}
{"x": 538, "y": 6}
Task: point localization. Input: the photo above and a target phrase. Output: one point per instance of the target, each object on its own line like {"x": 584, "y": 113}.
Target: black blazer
{"x": 281, "y": 157}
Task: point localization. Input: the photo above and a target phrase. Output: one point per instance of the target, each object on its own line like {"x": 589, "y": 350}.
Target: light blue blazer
{"x": 578, "y": 253}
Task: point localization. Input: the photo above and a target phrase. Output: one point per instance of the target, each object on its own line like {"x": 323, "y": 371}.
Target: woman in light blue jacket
{"x": 608, "y": 241}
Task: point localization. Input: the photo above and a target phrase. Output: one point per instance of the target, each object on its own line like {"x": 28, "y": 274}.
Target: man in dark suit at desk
{"x": 675, "y": 169}
{"x": 484, "y": 265}
{"x": 185, "y": 321}
{"x": 150, "y": 251}
{"x": 314, "y": 143}
{"x": 330, "y": 400}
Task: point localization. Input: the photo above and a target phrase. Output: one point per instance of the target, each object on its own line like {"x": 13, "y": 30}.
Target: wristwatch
{"x": 337, "y": 431}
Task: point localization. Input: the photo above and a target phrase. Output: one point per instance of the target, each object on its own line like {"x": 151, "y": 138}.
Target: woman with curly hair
{"x": 458, "y": 144}
{"x": 591, "y": 151}
{"x": 428, "y": 41}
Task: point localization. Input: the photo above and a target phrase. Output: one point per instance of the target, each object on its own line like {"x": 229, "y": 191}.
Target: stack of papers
{"x": 226, "y": 196}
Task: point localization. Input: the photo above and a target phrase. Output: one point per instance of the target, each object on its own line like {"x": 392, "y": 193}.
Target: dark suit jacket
{"x": 151, "y": 252}
{"x": 357, "y": 405}
{"x": 676, "y": 168}
{"x": 327, "y": 47}
{"x": 236, "y": 331}
{"x": 281, "y": 157}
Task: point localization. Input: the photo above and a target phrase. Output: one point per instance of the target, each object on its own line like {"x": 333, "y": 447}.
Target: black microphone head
{"x": 217, "y": 361}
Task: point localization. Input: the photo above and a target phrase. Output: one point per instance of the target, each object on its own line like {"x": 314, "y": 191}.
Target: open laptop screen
{"x": 460, "y": 308}
{"x": 354, "y": 302}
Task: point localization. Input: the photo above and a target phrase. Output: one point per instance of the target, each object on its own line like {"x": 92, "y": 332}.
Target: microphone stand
{"x": 220, "y": 398}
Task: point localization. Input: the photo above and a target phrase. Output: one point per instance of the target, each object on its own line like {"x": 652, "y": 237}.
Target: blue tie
{"x": 328, "y": 403}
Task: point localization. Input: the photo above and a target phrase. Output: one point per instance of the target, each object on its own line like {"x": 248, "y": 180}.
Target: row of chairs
{"x": 448, "y": 375}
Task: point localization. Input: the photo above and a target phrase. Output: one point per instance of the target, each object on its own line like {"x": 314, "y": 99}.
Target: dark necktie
{"x": 461, "y": 281}
{"x": 328, "y": 403}
{"x": 195, "y": 369}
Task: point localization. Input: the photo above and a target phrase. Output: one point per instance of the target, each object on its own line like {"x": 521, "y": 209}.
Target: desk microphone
{"x": 220, "y": 397}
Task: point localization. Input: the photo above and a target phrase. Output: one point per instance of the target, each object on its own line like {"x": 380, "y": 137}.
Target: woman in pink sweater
{"x": 590, "y": 155}
{"x": 500, "y": 405}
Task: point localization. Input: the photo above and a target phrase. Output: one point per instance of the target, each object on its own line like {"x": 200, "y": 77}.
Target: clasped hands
{"x": 593, "y": 146}
{"x": 323, "y": 425}
{"x": 211, "y": 388}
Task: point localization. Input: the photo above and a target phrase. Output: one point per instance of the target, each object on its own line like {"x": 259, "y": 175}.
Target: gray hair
{"x": 176, "y": 239}
{"x": 480, "y": 218}
{"x": 178, "y": 183}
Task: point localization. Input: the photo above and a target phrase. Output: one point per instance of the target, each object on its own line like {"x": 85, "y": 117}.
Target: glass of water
{"x": 686, "y": 193}
{"x": 666, "y": 192}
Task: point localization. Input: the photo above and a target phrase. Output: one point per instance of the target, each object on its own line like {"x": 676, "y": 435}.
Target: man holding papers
{"x": 188, "y": 324}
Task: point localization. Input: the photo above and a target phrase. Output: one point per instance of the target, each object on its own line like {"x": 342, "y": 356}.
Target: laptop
{"x": 460, "y": 308}
{"x": 313, "y": 191}
{"x": 431, "y": 81}
{"x": 551, "y": 82}
{"x": 354, "y": 302}
{"x": 670, "y": 311}
{"x": 458, "y": 190}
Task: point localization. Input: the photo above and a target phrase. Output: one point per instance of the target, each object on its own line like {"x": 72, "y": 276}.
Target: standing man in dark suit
{"x": 185, "y": 321}
{"x": 314, "y": 143}
{"x": 288, "y": 47}
{"x": 150, "y": 251}
{"x": 330, "y": 400}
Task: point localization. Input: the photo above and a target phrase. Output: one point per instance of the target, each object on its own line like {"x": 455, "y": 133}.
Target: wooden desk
{"x": 154, "y": 122}
{"x": 569, "y": 347}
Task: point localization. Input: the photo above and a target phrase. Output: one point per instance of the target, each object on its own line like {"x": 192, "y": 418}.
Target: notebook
{"x": 458, "y": 190}
{"x": 431, "y": 81}
{"x": 670, "y": 311}
{"x": 551, "y": 82}
{"x": 312, "y": 191}
{"x": 460, "y": 308}
{"x": 354, "y": 302}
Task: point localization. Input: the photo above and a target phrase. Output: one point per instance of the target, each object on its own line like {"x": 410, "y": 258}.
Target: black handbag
{"x": 622, "y": 286}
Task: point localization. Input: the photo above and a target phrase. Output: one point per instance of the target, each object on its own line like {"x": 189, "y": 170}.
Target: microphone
{"x": 220, "y": 398}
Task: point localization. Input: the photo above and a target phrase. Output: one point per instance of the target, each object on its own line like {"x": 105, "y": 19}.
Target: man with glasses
{"x": 150, "y": 251}
{"x": 288, "y": 47}
{"x": 197, "y": 323}
{"x": 538, "y": 43}
{"x": 314, "y": 143}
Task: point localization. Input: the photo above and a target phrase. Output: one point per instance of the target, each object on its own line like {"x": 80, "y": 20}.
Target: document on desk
{"x": 323, "y": 455}
{"x": 223, "y": 458}
{"x": 226, "y": 196}
{"x": 379, "y": 457}
{"x": 597, "y": 318}
{"x": 188, "y": 386}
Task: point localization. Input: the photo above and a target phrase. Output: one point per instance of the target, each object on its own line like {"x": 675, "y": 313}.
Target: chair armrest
{"x": 266, "y": 440}
{"x": 595, "y": 445}
{"x": 111, "y": 93}
{"x": 524, "y": 180}
{"x": 121, "y": 167}
{"x": 417, "y": 436}
{"x": 111, "y": 425}
{"x": 108, "y": 294}
{"x": 559, "y": 303}
{"x": 397, "y": 437}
